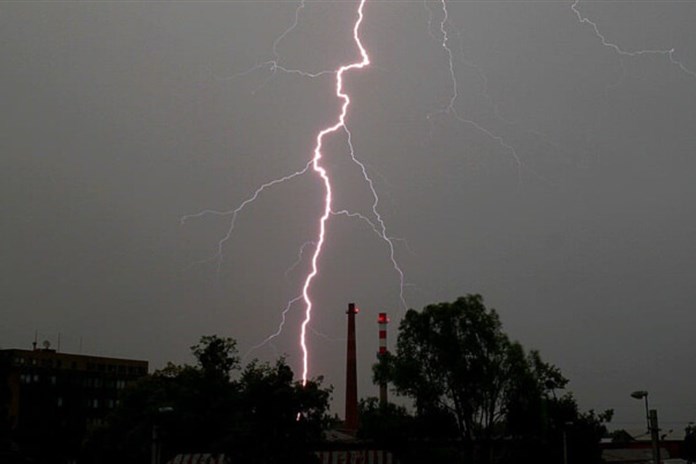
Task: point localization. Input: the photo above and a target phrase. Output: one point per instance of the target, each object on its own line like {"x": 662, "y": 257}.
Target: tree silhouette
{"x": 468, "y": 379}
{"x": 262, "y": 416}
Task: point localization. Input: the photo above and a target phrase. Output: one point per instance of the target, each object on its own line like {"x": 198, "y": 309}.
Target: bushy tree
{"x": 413, "y": 439}
{"x": 455, "y": 362}
{"x": 259, "y": 415}
{"x": 216, "y": 357}
{"x": 454, "y": 357}
{"x": 278, "y": 417}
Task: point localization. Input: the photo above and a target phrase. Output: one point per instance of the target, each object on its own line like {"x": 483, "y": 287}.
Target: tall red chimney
{"x": 351, "y": 373}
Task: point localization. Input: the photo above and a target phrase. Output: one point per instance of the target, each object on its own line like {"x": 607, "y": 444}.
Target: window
{"x": 59, "y": 401}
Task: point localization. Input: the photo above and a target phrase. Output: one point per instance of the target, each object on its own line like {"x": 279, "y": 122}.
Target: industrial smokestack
{"x": 382, "y": 321}
{"x": 351, "y": 373}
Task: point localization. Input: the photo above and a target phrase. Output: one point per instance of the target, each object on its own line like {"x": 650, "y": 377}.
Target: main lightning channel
{"x": 378, "y": 226}
{"x": 321, "y": 171}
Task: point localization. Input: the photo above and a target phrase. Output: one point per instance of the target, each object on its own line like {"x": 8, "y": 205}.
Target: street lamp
{"x": 639, "y": 395}
{"x": 653, "y": 427}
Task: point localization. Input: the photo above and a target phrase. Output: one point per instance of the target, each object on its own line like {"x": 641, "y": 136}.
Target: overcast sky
{"x": 564, "y": 193}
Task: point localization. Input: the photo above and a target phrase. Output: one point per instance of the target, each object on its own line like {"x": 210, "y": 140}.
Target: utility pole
{"x": 655, "y": 435}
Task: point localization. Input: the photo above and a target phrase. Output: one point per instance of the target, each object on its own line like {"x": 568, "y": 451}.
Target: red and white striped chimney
{"x": 382, "y": 321}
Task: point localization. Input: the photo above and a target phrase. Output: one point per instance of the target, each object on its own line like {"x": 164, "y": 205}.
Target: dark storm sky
{"x": 119, "y": 118}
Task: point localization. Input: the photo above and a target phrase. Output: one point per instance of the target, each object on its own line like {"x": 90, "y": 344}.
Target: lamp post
{"x": 639, "y": 395}
{"x": 653, "y": 427}
{"x": 655, "y": 436}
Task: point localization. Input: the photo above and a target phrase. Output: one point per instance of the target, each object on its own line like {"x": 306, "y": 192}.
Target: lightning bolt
{"x": 378, "y": 226}
{"x": 382, "y": 230}
{"x": 375, "y": 221}
{"x": 620, "y": 51}
{"x": 450, "y": 108}
{"x": 235, "y": 212}
{"x": 274, "y": 65}
{"x": 300, "y": 257}
{"x": 280, "y": 327}
{"x": 443, "y": 36}
{"x": 323, "y": 174}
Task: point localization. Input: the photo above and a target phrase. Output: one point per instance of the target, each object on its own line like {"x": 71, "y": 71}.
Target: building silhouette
{"x": 50, "y": 400}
